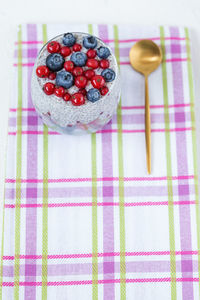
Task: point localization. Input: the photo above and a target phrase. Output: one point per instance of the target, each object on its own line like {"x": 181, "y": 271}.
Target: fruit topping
{"x": 104, "y": 90}
{"x": 79, "y": 58}
{"x": 65, "y": 51}
{"x": 93, "y": 95}
{"x": 92, "y": 63}
{"x": 64, "y": 79}
{"x": 42, "y": 71}
{"x": 98, "y": 81}
{"x": 67, "y": 97}
{"x": 89, "y": 73}
{"x": 52, "y": 76}
{"x": 104, "y": 63}
{"x": 91, "y": 53}
{"x": 69, "y": 65}
{"x": 77, "y": 99}
{"x": 48, "y": 88}
{"x": 78, "y": 71}
{"x": 89, "y": 42}
{"x": 69, "y": 39}
{"x": 108, "y": 74}
{"x": 59, "y": 91}
{"x": 55, "y": 62}
{"x": 77, "y": 47}
{"x": 81, "y": 81}
{"x": 103, "y": 52}
{"x": 53, "y": 47}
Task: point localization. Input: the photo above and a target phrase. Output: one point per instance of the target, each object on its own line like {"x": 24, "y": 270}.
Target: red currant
{"x": 81, "y": 81}
{"x": 77, "y": 47}
{"x": 52, "y": 76}
{"x": 53, "y": 47}
{"x": 65, "y": 51}
{"x": 78, "y": 71}
{"x": 104, "y": 90}
{"x": 48, "y": 88}
{"x": 67, "y": 97}
{"x": 104, "y": 63}
{"x": 89, "y": 73}
{"x": 69, "y": 66}
{"x": 92, "y": 63}
{"x": 91, "y": 53}
{"x": 59, "y": 91}
{"x": 42, "y": 71}
{"x": 78, "y": 99}
{"x": 98, "y": 81}
{"x": 83, "y": 91}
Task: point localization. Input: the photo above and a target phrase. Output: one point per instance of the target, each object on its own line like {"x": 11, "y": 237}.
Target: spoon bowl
{"x": 145, "y": 57}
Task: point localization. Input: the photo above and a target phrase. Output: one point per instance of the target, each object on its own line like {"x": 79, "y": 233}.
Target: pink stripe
{"x": 108, "y": 131}
{"x": 35, "y": 132}
{"x": 24, "y": 65}
{"x": 112, "y": 41}
{"x": 103, "y": 281}
{"x": 142, "y": 130}
{"x": 23, "y": 109}
{"x": 83, "y": 204}
{"x": 123, "y": 107}
{"x": 153, "y": 39}
{"x": 29, "y": 42}
{"x": 158, "y": 106}
{"x": 176, "y": 59}
{"x": 88, "y": 255}
{"x": 121, "y": 63}
{"x": 87, "y": 179}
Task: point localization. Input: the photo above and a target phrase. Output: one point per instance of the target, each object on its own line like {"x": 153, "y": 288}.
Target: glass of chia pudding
{"x": 75, "y": 83}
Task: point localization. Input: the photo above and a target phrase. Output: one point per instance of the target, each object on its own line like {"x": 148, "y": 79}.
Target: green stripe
{"x": 94, "y": 211}
{"x": 18, "y": 170}
{"x": 121, "y": 185}
{"x": 45, "y": 201}
{"x": 44, "y": 33}
{"x": 90, "y": 29}
{"x": 194, "y": 145}
{"x": 169, "y": 172}
{"x": 94, "y": 221}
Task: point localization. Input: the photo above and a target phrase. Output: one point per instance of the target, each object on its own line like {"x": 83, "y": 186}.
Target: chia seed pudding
{"x": 67, "y": 97}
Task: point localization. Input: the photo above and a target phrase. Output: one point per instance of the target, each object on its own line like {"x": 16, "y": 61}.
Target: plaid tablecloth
{"x": 82, "y": 219}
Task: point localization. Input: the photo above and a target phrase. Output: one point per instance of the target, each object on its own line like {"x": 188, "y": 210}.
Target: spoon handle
{"x": 147, "y": 126}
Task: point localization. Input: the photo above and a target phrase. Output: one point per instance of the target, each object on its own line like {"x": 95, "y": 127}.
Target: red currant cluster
{"x": 82, "y": 75}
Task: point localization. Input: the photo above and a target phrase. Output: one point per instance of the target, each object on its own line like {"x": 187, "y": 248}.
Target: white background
{"x": 156, "y": 12}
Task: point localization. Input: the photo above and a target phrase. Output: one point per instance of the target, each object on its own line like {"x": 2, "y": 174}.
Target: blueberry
{"x": 69, "y": 39}
{"x": 103, "y": 52}
{"x": 55, "y": 62}
{"x": 89, "y": 42}
{"x": 64, "y": 79}
{"x": 79, "y": 58}
{"x": 93, "y": 95}
{"x": 108, "y": 74}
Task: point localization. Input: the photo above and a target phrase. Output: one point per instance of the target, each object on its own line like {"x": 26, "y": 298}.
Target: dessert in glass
{"x": 75, "y": 83}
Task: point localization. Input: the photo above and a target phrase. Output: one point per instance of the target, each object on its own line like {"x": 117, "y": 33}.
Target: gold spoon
{"x": 145, "y": 57}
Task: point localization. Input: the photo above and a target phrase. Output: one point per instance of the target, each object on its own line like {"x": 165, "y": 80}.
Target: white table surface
{"x": 154, "y": 12}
